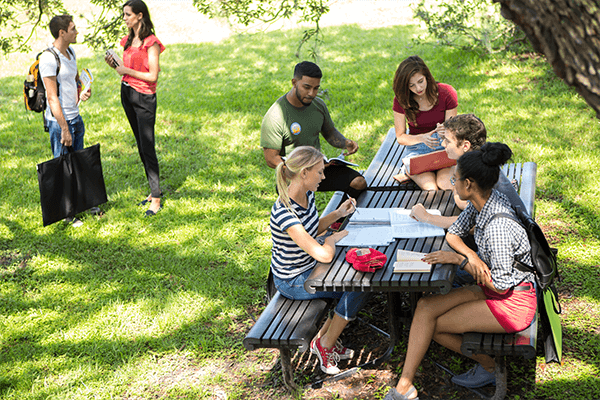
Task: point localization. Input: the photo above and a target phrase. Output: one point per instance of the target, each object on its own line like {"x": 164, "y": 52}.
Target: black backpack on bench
{"x": 542, "y": 255}
{"x": 545, "y": 270}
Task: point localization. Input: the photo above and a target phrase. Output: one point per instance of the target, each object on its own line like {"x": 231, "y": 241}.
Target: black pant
{"x": 339, "y": 177}
{"x": 141, "y": 112}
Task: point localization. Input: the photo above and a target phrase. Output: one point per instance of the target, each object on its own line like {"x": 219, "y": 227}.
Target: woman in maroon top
{"x": 139, "y": 69}
{"x": 424, "y": 104}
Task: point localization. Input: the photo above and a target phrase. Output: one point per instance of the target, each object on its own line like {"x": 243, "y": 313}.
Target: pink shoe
{"x": 328, "y": 358}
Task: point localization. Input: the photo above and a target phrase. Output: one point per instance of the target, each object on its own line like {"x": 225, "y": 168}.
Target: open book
{"x": 339, "y": 160}
{"x": 410, "y": 261}
{"x": 381, "y": 226}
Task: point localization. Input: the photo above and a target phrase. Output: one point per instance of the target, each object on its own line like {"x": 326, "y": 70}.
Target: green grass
{"x": 129, "y": 307}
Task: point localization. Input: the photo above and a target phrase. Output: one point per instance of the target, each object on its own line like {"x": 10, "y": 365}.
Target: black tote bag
{"x": 71, "y": 183}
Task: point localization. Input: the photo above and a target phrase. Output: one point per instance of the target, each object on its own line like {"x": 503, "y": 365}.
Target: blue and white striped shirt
{"x": 287, "y": 258}
{"x": 499, "y": 242}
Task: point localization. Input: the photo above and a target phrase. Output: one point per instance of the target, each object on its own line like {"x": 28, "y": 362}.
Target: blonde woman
{"x": 295, "y": 225}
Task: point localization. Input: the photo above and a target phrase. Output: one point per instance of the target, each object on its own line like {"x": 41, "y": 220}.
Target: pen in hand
{"x": 354, "y": 205}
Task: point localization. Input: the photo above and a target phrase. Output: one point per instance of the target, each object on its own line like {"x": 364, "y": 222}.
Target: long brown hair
{"x": 146, "y": 26}
{"x": 303, "y": 157}
{"x": 405, "y": 71}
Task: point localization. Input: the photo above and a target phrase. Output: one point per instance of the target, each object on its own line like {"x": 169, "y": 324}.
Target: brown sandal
{"x": 402, "y": 177}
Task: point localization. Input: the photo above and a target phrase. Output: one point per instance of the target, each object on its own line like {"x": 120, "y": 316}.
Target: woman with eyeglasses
{"x": 504, "y": 299}
{"x": 423, "y": 104}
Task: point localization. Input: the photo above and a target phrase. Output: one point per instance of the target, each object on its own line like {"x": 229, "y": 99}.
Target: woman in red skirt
{"x": 504, "y": 299}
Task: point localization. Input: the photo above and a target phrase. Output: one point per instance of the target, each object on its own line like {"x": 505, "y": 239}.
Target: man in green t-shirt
{"x": 296, "y": 119}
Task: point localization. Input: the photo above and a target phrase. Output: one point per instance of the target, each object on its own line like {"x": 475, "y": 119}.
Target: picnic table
{"x": 385, "y": 192}
{"x": 291, "y": 324}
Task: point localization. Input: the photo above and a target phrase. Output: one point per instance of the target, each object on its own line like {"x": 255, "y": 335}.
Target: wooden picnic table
{"x": 339, "y": 276}
{"x": 288, "y": 325}
{"x": 384, "y": 192}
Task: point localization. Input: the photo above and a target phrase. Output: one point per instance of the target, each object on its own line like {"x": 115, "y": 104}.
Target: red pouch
{"x": 366, "y": 260}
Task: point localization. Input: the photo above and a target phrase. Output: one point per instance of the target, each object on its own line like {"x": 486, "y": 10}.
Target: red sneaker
{"x": 344, "y": 352}
{"x": 328, "y": 358}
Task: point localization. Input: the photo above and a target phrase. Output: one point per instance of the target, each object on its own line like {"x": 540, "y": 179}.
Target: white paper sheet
{"x": 380, "y": 226}
{"x": 367, "y": 235}
{"x": 370, "y": 215}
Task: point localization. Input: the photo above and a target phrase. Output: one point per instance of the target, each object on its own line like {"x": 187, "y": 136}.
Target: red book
{"x": 428, "y": 162}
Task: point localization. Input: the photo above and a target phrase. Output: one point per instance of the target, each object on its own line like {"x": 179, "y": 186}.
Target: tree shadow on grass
{"x": 97, "y": 292}
{"x": 211, "y": 102}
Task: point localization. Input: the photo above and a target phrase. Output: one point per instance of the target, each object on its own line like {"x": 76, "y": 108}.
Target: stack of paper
{"x": 381, "y": 226}
{"x": 367, "y": 236}
{"x": 403, "y": 226}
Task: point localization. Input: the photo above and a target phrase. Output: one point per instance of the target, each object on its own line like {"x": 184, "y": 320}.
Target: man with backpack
{"x": 58, "y": 69}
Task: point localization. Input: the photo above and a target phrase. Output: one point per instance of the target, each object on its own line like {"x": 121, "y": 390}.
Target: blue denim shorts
{"x": 349, "y": 304}
{"x": 421, "y": 148}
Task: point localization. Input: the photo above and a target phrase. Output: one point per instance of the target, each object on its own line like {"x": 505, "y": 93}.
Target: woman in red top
{"x": 139, "y": 69}
{"x": 424, "y": 104}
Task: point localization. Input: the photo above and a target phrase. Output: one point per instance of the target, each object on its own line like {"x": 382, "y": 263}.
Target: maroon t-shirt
{"x": 428, "y": 120}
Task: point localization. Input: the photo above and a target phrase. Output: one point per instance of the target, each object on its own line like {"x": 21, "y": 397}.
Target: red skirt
{"x": 515, "y": 309}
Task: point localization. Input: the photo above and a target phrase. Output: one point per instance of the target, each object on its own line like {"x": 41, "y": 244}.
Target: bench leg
{"x": 286, "y": 368}
{"x": 500, "y": 393}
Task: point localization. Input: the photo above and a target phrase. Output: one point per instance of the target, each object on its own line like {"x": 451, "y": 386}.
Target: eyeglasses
{"x": 452, "y": 181}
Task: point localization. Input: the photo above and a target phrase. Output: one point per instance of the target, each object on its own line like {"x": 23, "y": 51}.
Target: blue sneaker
{"x": 393, "y": 394}
{"x": 475, "y": 377}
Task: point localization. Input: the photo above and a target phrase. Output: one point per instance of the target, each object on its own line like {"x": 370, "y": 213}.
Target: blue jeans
{"x": 77, "y": 129}
{"x": 462, "y": 278}
{"x": 349, "y": 304}
{"x": 421, "y": 148}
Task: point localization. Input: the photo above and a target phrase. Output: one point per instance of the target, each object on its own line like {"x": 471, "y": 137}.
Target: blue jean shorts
{"x": 349, "y": 304}
{"x": 421, "y": 148}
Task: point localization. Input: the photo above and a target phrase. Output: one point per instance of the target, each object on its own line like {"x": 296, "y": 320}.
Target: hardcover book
{"x": 428, "y": 162}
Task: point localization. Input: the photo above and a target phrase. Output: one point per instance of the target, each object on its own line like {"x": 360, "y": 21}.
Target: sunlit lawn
{"x": 115, "y": 308}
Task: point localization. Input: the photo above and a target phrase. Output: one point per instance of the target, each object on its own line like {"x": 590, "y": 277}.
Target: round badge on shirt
{"x": 295, "y": 128}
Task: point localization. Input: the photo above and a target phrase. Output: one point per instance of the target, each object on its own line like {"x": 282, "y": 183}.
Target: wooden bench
{"x": 388, "y": 160}
{"x": 379, "y": 177}
{"x": 287, "y": 325}
{"x": 501, "y": 345}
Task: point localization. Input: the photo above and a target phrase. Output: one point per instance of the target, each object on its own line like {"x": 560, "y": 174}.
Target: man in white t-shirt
{"x": 62, "y": 113}
{"x": 65, "y": 125}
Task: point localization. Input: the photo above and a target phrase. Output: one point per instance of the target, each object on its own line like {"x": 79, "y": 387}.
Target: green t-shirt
{"x": 285, "y": 127}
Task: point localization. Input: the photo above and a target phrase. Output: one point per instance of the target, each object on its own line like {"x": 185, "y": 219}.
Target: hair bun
{"x": 495, "y": 154}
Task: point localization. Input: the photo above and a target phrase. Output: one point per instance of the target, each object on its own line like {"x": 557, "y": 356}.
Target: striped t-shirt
{"x": 287, "y": 258}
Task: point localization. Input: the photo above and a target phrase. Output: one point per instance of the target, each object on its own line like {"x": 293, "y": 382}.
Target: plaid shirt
{"x": 499, "y": 242}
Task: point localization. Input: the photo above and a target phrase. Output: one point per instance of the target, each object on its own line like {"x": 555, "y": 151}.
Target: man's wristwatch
{"x": 463, "y": 263}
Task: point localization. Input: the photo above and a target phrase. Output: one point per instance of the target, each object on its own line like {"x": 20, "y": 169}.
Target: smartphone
{"x": 112, "y": 53}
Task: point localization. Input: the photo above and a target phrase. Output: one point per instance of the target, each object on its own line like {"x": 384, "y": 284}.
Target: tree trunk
{"x": 568, "y": 33}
